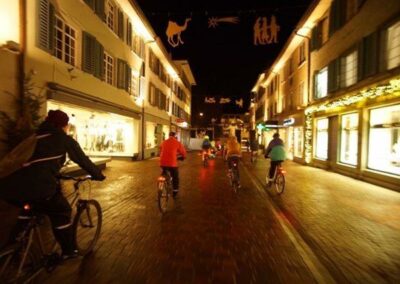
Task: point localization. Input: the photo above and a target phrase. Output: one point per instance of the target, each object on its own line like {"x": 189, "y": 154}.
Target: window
{"x": 348, "y": 69}
{"x": 319, "y": 34}
{"x": 97, "y": 6}
{"x": 351, "y": 8}
{"x": 108, "y": 69}
{"x": 65, "y": 42}
{"x": 349, "y": 139}
{"x": 110, "y": 15}
{"x": 302, "y": 53}
{"x": 384, "y": 140}
{"x": 321, "y": 145}
{"x": 321, "y": 83}
{"x": 324, "y": 30}
{"x": 298, "y": 142}
{"x": 393, "y": 46}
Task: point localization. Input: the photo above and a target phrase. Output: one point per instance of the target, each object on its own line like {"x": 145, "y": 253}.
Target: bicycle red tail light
{"x": 283, "y": 171}
{"x": 27, "y": 207}
{"x": 161, "y": 178}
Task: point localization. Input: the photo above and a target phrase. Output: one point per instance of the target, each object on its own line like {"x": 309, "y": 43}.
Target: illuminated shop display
{"x": 321, "y": 144}
{"x": 152, "y": 135}
{"x": 298, "y": 142}
{"x": 100, "y": 133}
{"x": 392, "y": 89}
{"x": 349, "y": 139}
{"x": 384, "y": 139}
{"x": 288, "y": 142}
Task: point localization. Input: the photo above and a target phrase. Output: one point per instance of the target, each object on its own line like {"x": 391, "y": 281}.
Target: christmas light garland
{"x": 393, "y": 88}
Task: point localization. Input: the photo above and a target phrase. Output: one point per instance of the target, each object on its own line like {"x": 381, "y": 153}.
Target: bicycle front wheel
{"x": 163, "y": 197}
{"x": 87, "y": 225}
{"x": 280, "y": 183}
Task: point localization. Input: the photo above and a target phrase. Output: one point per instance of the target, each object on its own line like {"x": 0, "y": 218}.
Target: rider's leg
{"x": 272, "y": 169}
{"x": 59, "y": 212}
{"x": 175, "y": 180}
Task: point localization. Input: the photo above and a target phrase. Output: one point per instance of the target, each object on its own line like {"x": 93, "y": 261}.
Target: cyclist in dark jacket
{"x": 37, "y": 182}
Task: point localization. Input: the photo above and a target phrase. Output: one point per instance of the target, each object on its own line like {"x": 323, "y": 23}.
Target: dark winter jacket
{"x": 39, "y": 180}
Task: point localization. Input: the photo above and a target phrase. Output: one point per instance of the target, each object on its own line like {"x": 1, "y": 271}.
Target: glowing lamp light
{"x": 9, "y": 21}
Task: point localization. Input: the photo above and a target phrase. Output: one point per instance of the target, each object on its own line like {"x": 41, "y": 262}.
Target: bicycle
{"x": 205, "y": 159}
{"x": 278, "y": 179}
{"x": 164, "y": 185}
{"x": 234, "y": 179}
{"x": 253, "y": 156}
{"x": 26, "y": 258}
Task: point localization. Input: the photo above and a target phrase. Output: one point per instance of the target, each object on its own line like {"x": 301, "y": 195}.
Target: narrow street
{"x": 324, "y": 228}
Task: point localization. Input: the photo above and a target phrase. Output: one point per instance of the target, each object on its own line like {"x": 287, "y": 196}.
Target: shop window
{"x": 348, "y": 69}
{"x": 321, "y": 143}
{"x": 298, "y": 142}
{"x": 101, "y": 133}
{"x": 151, "y": 135}
{"x": 349, "y": 139}
{"x": 393, "y": 46}
{"x": 65, "y": 42}
{"x": 321, "y": 83}
{"x": 384, "y": 140}
{"x": 108, "y": 69}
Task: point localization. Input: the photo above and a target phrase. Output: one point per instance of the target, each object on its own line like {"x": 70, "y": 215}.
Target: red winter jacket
{"x": 169, "y": 151}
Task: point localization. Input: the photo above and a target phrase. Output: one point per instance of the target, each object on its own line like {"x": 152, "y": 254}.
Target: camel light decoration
{"x": 174, "y": 31}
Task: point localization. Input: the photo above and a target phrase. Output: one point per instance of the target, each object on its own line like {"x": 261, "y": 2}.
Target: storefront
{"x": 358, "y": 135}
{"x": 101, "y": 133}
{"x": 293, "y": 136}
{"x": 156, "y": 131}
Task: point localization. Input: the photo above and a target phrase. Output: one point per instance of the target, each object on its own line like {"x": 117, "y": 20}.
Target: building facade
{"x": 100, "y": 62}
{"x": 351, "y": 111}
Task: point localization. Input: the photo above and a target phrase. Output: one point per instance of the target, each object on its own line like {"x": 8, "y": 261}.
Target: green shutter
{"x": 46, "y": 26}
{"x": 98, "y": 60}
{"x": 99, "y": 9}
{"x": 333, "y": 75}
{"x": 129, "y": 33}
{"x": 128, "y": 77}
{"x": 120, "y": 74}
{"x": 371, "y": 54}
{"x": 90, "y": 3}
{"x": 120, "y": 24}
{"x": 88, "y": 53}
{"x": 52, "y": 27}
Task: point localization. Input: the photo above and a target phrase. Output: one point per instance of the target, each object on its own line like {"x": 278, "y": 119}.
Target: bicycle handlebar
{"x": 77, "y": 179}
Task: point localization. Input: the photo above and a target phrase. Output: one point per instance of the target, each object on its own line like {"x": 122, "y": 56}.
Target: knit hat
{"x": 58, "y": 118}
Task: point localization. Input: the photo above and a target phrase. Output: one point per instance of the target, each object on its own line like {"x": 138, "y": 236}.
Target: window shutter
{"x": 129, "y": 33}
{"x": 99, "y": 60}
{"x": 120, "y": 24}
{"x": 370, "y": 54}
{"x": 99, "y": 9}
{"x": 360, "y": 61}
{"x": 46, "y": 21}
{"x": 128, "y": 77}
{"x": 333, "y": 75}
{"x": 121, "y": 74}
{"x": 90, "y": 3}
{"x": 88, "y": 53}
{"x": 157, "y": 93}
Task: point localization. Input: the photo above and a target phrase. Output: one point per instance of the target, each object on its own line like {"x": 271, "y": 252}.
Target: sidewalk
{"x": 353, "y": 226}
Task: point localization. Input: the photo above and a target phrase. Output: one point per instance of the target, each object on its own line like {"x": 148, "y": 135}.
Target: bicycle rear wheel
{"x": 163, "y": 196}
{"x": 235, "y": 179}
{"x": 87, "y": 225}
{"x": 205, "y": 162}
{"x": 280, "y": 183}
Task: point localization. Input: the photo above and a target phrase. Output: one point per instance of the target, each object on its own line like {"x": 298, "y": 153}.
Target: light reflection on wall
{"x": 100, "y": 133}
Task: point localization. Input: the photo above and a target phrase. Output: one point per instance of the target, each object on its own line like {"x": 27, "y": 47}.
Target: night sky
{"x": 224, "y": 60}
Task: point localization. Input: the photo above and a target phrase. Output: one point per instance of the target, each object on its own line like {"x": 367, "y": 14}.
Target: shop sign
{"x": 289, "y": 121}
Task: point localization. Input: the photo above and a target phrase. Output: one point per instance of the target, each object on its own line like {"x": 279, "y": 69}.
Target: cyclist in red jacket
{"x": 169, "y": 151}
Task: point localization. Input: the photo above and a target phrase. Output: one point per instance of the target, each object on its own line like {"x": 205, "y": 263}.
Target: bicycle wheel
{"x": 205, "y": 162}
{"x": 235, "y": 180}
{"x": 163, "y": 196}
{"x": 87, "y": 225}
{"x": 10, "y": 263}
{"x": 280, "y": 183}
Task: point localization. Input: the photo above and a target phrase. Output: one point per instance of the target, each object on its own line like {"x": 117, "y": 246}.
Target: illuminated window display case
{"x": 321, "y": 144}
{"x": 349, "y": 139}
{"x": 151, "y": 135}
{"x": 298, "y": 142}
{"x": 384, "y": 140}
{"x": 100, "y": 133}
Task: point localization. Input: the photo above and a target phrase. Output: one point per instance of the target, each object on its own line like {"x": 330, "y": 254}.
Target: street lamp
{"x": 201, "y": 114}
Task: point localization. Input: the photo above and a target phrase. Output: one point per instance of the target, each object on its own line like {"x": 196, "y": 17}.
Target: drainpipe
{"x": 21, "y": 57}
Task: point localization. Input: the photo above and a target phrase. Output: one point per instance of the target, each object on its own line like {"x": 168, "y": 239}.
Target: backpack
{"x": 18, "y": 157}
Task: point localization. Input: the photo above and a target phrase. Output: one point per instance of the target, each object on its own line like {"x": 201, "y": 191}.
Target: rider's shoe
{"x": 175, "y": 193}
{"x": 71, "y": 255}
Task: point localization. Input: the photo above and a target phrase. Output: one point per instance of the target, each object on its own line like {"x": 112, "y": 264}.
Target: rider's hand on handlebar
{"x": 181, "y": 158}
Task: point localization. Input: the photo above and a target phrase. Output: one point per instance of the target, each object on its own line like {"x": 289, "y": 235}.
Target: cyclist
{"x": 206, "y": 146}
{"x": 37, "y": 182}
{"x": 232, "y": 152}
{"x": 253, "y": 146}
{"x": 276, "y": 152}
{"x": 169, "y": 151}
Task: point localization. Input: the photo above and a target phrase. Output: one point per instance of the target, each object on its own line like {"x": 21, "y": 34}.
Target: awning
{"x": 64, "y": 94}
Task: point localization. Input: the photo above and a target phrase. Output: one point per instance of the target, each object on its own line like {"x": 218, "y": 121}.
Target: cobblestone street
{"x": 324, "y": 228}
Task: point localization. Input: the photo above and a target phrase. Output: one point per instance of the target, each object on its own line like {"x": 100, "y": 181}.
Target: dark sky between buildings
{"x": 224, "y": 60}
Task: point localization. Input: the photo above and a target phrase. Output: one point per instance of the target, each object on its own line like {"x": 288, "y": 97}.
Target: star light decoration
{"x": 393, "y": 88}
